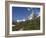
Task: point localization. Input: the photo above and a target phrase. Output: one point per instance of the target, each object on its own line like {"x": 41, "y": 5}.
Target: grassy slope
{"x": 28, "y": 25}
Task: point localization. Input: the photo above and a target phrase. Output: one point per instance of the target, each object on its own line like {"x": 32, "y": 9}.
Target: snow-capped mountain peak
{"x": 38, "y": 15}
{"x": 31, "y": 16}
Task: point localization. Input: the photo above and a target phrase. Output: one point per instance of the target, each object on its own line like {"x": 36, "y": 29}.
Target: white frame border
{"x": 24, "y": 32}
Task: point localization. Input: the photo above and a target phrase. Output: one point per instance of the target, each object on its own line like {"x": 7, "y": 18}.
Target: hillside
{"x": 33, "y": 24}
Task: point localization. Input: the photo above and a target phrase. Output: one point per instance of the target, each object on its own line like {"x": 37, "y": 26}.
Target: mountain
{"x": 31, "y": 16}
{"x": 33, "y": 24}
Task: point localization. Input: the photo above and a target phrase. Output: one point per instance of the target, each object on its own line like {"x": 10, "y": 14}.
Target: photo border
{"x": 29, "y": 31}
{"x": 7, "y": 3}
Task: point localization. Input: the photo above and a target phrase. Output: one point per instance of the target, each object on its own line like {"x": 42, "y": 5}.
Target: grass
{"x": 27, "y": 25}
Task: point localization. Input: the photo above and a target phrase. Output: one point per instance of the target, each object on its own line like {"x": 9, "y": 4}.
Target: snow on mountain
{"x": 28, "y": 18}
{"x": 31, "y": 16}
{"x": 38, "y": 15}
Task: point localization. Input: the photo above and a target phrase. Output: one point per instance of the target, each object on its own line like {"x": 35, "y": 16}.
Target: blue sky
{"x": 19, "y": 13}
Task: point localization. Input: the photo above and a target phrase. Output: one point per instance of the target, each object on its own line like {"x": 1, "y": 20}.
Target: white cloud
{"x": 17, "y": 20}
{"x": 28, "y": 9}
{"x": 21, "y": 20}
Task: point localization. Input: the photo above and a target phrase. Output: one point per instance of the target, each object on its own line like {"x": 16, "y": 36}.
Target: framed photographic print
{"x": 24, "y": 18}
